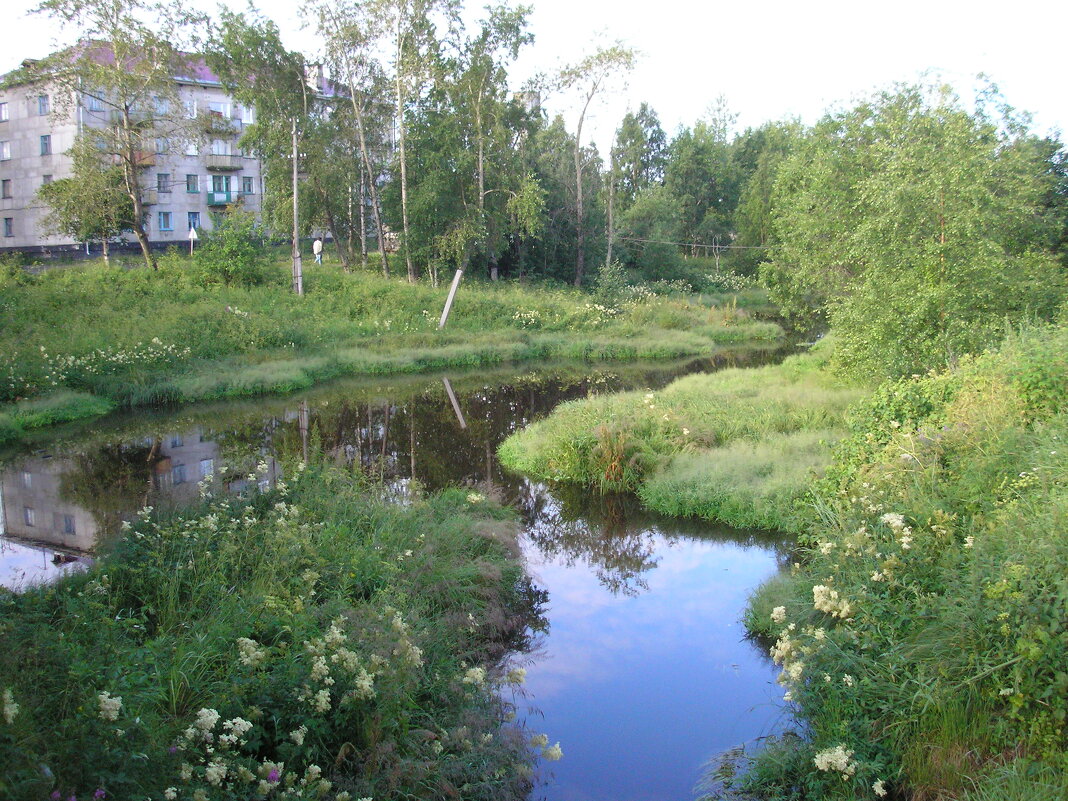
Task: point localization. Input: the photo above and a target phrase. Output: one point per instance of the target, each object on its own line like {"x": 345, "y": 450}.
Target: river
{"x": 644, "y": 673}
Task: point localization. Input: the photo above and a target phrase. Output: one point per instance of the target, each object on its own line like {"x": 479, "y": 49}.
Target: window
{"x": 165, "y": 221}
{"x": 5, "y": 151}
{"x": 163, "y": 182}
{"x": 190, "y": 108}
{"x": 192, "y": 149}
{"x": 9, "y": 226}
{"x": 162, "y": 145}
{"x": 42, "y": 105}
{"x": 68, "y": 524}
{"x": 248, "y": 185}
{"x": 192, "y": 183}
{"x": 176, "y": 441}
{"x": 3, "y": 112}
{"x": 207, "y": 467}
{"x": 5, "y": 188}
{"x": 94, "y": 103}
{"x": 220, "y": 183}
{"x": 46, "y": 180}
{"x": 193, "y": 219}
{"x": 27, "y": 479}
{"x": 46, "y": 145}
{"x": 162, "y": 106}
{"x": 178, "y": 474}
{"x": 219, "y": 109}
{"x": 29, "y": 516}
{"x": 220, "y": 147}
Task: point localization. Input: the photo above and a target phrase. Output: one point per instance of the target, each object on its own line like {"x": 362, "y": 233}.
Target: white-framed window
{"x": 5, "y": 151}
{"x": 190, "y": 108}
{"x": 29, "y": 516}
{"x": 46, "y": 145}
{"x": 193, "y": 219}
{"x": 177, "y": 441}
{"x": 162, "y": 106}
{"x": 192, "y": 149}
{"x": 219, "y": 108}
{"x": 93, "y": 103}
{"x": 162, "y": 145}
{"x": 220, "y": 147}
{"x": 163, "y": 182}
{"x": 42, "y": 105}
{"x": 192, "y": 183}
{"x": 3, "y": 112}
{"x": 165, "y": 221}
{"x": 27, "y": 479}
{"x": 5, "y": 188}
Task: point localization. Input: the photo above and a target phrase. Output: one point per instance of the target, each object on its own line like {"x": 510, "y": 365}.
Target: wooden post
{"x": 298, "y": 272}
{"x": 452, "y": 294}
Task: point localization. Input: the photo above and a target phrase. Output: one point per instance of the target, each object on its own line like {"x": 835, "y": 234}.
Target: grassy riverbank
{"x": 305, "y": 642}
{"x": 923, "y": 637}
{"x": 82, "y": 339}
{"x": 705, "y": 446}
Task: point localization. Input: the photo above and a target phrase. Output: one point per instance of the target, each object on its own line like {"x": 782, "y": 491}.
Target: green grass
{"x": 671, "y": 446}
{"x": 746, "y": 484}
{"x": 954, "y": 642}
{"x": 136, "y": 337}
{"x": 400, "y": 603}
{"x": 48, "y": 410}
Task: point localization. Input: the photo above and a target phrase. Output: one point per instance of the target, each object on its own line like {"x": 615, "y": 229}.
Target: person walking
{"x": 317, "y": 249}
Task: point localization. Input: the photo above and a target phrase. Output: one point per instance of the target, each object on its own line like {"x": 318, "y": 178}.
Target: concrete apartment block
{"x": 184, "y": 184}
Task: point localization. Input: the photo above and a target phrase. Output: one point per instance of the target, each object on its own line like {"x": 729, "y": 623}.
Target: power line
{"x": 692, "y": 244}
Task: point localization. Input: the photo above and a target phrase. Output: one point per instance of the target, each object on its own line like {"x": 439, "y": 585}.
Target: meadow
{"x": 83, "y": 339}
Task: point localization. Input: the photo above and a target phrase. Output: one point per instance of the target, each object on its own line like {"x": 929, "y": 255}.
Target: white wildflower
{"x": 110, "y": 706}
{"x": 553, "y": 752}
{"x": 778, "y": 614}
{"x": 879, "y": 788}
{"x": 215, "y": 772}
{"x": 475, "y": 675}
{"x": 298, "y": 735}
{"x": 516, "y": 676}
{"x": 838, "y": 759}
{"x": 250, "y": 654}
{"x": 321, "y": 703}
{"x": 11, "y": 709}
{"x": 170, "y": 793}
{"x": 539, "y": 740}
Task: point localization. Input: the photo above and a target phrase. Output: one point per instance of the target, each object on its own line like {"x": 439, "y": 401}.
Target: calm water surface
{"x": 644, "y": 673}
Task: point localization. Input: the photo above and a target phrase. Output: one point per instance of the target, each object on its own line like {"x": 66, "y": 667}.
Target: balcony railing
{"x": 221, "y": 198}
{"x": 222, "y": 163}
{"x": 149, "y": 197}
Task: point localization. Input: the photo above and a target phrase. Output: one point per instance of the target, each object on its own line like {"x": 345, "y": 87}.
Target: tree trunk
{"x": 370, "y": 177}
{"x": 363, "y": 219}
{"x": 133, "y": 188}
{"x": 104, "y": 245}
{"x": 611, "y": 210}
{"x": 298, "y": 270}
{"x": 401, "y": 153}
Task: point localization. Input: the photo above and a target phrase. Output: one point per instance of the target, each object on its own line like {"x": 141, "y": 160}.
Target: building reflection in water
{"x": 54, "y": 510}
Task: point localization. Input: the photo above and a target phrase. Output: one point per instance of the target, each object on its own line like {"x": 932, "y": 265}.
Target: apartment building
{"x": 184, "y": 183}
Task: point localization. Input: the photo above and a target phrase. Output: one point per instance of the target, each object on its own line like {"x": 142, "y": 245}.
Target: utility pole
{"x": 298, "y": 273}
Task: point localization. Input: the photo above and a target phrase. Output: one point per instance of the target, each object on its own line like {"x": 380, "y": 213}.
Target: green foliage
{"x": 723, "y": 431}
{"x": 933, "y": 593}
{"x": 916, "y": 228}
{"x": 323, "y": 630}
{"x": 233, "y": 253}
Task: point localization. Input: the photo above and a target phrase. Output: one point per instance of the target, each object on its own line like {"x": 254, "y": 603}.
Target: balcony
{"x": 222, "y": 163}
{"x": 149, "y": 197}
{"x": 221, "y": 198}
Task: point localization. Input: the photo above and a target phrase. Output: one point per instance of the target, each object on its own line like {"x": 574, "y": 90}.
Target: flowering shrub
{"x": 305, "y": 661}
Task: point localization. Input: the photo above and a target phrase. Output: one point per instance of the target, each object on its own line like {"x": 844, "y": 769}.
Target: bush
{"x": 233, "y": 253}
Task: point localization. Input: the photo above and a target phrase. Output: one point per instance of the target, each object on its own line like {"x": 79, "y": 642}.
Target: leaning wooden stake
{"x": 455, "y": 403}
{"x": 452, "y": 294}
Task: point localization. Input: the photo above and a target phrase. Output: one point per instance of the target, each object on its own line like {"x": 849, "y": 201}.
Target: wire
{"x": 691, "y": 244}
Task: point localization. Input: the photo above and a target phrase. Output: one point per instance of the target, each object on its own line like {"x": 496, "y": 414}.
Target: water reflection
{"x": 644, "y": 673}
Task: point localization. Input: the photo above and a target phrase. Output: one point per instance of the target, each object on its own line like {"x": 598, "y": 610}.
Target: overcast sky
{"x": 770, "y": 59}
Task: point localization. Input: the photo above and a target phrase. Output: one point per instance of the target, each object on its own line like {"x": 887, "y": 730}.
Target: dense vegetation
{"x": 922, "y": 636}
{"x": 306, "y": 642}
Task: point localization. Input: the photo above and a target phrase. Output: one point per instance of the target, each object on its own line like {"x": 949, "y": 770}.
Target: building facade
{"x": 184, "y": 183}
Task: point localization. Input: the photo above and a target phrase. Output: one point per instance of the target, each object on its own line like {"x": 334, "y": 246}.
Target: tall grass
{"x": 139, "y": 337}
{"x": 354, "y": 648}
{"x": 671, "y": 446}
{"x": 924, "y": 631}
